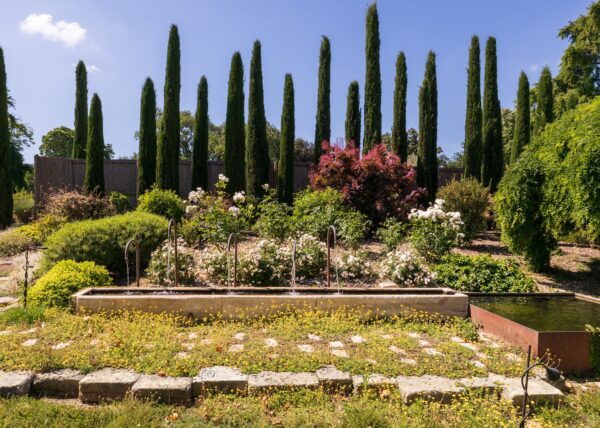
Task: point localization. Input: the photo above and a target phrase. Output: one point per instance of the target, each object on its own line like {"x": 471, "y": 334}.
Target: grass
{"x": 170, "y": 345}
{"x": 299, "y": 409}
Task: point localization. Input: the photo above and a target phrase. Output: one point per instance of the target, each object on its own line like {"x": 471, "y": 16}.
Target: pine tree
{"x": 353, "y": 114}
{"x": 522, "y": 119}
{"x": 372, "y": 132}
{"x": 492, "y": 163}
{"x": 545, "y": 100}
{"x": 147, "y": 138}
{"x": 427, "y": 168}
{"x": 235, "y": 132}
{"x": 473, "y": 115}
{"x": 94, "y": 152}
{"x": 200, "y": 143}
{"x": 167, "y": 161}
{"x": 81, "y": 112}
{"x": 399, "y": 135}
{"x": 6, "y": 196}
{"x": 285, "y": 171}
{"x": 257, "y": 150}
{"x": 323, "y": 126}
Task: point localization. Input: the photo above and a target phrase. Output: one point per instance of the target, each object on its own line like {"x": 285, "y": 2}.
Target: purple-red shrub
{"x": 378, "y": 184}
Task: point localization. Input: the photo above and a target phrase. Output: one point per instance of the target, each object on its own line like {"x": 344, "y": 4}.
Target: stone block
{"x": 15, "y": 384}
{"x": 219, "y": 379}
{"x": 430, "y": 388}
{"x": 539, "y": 392}
{"x": 377, "y": 383}
{"x": 266, "y": 382}
{"x": 333, "y": 380}
{"x": 106, "y": 384}
{"x": 167, "y": 390}
{"x": 57, "y": 384}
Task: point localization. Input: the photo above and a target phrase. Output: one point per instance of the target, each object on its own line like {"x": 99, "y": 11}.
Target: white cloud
{"x": 68, "y": 33}
{"x": 91, "y": 68}
{"x": 534, "y": 67}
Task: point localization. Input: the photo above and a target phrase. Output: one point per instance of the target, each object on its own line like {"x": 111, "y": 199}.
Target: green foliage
{"x": 147, "y": 139}
{"x": 23, "y": 206}
{"x": 80, "y": 139}
{"x": 372, "y": 133}
{"x": 427, "y": 167}
{"x": 594, "y": 332}
{"x": 518, "y": 206}
{"x": 200, "y": 147}
{"x": 58, "y": 142}
{"x": 274, "y": 221}
{"x": 94, "y": 160}
{"x": 393, "y": 232}
{"x": 102, "y": 241}
{"x": 120, "y": 202}
{"x": 67, "y": 277}
{"x": 352, "y": 124}
{"x": 405, "y": 270}
{"x": 285, "y": 171}
{"x": 323, "y": 119}
{"x": 482, "y": 274}
{"x": 75, "y": 205}
{"x": 522, "y": 119}
{"x": 23, "y": 315}
{"x": 38, "y": 231}
{"x": 13, "y": 243}
{"x": 165, "y": 203}
{"x": 473, "y": 115}
{"x": 161, "y": 269}
{"x": 399, "y": 135}
{"x": 6, "y": 193}
{"x": 235, "y": 132}
{"x": 545, "y": 100}
{"x": 471, "y": 200}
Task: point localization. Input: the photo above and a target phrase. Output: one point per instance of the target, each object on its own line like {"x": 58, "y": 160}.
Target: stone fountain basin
{"x": 241, "y": 302}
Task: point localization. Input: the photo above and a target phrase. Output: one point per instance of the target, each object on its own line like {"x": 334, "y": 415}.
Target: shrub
{"x": 38, "y": 231}
{"x": 13, "y": 243}
{"x": 65, "y": 278}
{"x": 120, "y": 202}
{"x": 23, "y": 206}
{"x": 310, "y": 257}
{"x": 274, "y": 220}
{"x": 519, "y": 211}
{"x": 434, "y": 232}
{"x": 470, "y": 199}
{"x": 102, "y": 241}
{"x": 392, "y": 233}
{"x": 355, "y": 266}
{"x": 404, "y": 269}
{"x": 483, "y": 274}
{"x": 74, "y": 205}
{"x": 161, "y": 202}
{"x": 157, "y": 268}
{"x": 379, "y": 185}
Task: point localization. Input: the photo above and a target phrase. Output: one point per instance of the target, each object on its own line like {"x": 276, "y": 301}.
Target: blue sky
{"x": 122, "y": 42}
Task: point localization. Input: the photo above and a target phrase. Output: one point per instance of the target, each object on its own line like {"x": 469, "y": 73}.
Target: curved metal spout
{"x": 232, "y": 237}
{"x": 172, "y": 237}
{"x": 294, "y": 266}
{"x": 331, "y": 242}
{"x": 135, "y": 243}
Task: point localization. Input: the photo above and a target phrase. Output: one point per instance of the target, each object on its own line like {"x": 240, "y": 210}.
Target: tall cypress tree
{"x": 372, "y": 133}
{"x": 235, "y": 132}
{"x": 492, "y": 163}
{"x": 6, "y": 196}
{"x": 545, "y": 100}
{"x": 94, "y": 152}
{"x": 399, "y": 135}
{"x": 167, "y": 162}
{"x": 323, "y": 123}
{"x": 200, "y": 143}
{"x": 473, "y": 115}
{"x": 427, "y": 167}
{"x": 522, "y": 119}
{"x": 285, "y": 171}
{"x": 147, "y": 138}
{"x": 81, "y": 112}
{"x": 257, "y": 150}
{"x": 353, "y": 114}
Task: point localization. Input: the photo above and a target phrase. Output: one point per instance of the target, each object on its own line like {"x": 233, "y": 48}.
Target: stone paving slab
{"x": 219, "y": 379}
{"x": 106, "y": 384}
{"x": 431, "y": 388}
{"x": 167, "y": 390}
{"x": 57, "y": 384}
{"x": 334, "y": 380}
{"x": 15, "y": 384}
{"x": 377, "y": 382}
{"x": 487, "y": 385}
{"x": 266, "y": 382}
{"x": 539, "y": 392}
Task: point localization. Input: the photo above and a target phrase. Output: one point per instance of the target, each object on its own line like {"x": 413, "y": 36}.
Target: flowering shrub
{"x": 379, "y": 185}
{"x": 264, "y": 264}
{"x": 161, "y": 202}
{"x": 310, "y": 256}
{"x": 74, "y": 205}
{"x": 402, "y": 268}
{"x": 355, "y": 266}
{"x": 157, "y": 268}
{"x": 392, "y": 233}
{"x": 274, "y": 220}
{"x": 434, "y": 232}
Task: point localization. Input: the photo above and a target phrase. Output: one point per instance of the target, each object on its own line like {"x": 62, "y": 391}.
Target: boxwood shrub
{"x": 102, "y": 241}
{"x": 163, "y": 202}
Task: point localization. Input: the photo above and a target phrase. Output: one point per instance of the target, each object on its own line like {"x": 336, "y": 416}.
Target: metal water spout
{"x": 332, "y": 242}
{"x": 294, "y": 267}
{"x": 136, "y": 244}
{"x": 172, "y": 237}
{"x": 232, "y": 237}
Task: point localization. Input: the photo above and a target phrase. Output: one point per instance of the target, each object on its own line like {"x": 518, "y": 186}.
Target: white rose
{"x": 223, "y": 178}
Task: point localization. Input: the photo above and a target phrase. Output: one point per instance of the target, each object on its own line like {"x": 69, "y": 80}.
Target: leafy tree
{"x": 545, "y": 100}
{"x": 167, "y": 160}
{"x": 522, "y": 125}
{"x": 147, "y": 138}
{"x": 94, "y": 160}
{"x": 235, "y": 128}
{"x": 6, "y": 196}
{"x": 81, "y": 112}
{"x": 303, "y": 150}
{"x": 372, "y": 132}
{"x": 427, "y": 168}
{"x": 353, "y": 114}
{"x": 399, "y": 136}
{"x": 58, "y": 142}
{"x": 257, "y": 149}
{"x": 508, "y": 132}
{"x": 285, "y": 171}
{"x": 492, "y": 159}
{"x": 323, "y": 125}
{"x": 473, "y": 117}
{"x": 21, "y": 135}
{"x": 200, "y": 145}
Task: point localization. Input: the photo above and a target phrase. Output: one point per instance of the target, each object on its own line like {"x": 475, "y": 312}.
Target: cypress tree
{"x": 81, "y": 112}
{"x": 94, "y": 153}
{"x": 6, "y": 196}
{"x": 473, "y": 115}
{"x": 257, "y": 150}
{"x": 285, "y": 172}
{"x": 147, "y": 138}
{"x": 492, "y": 162}
{"x": 323, "y": 126}
{"x": 200, "y": 143}
{"x": 167, "y": 161}
{"x": 399, "y": 135}
{"x": 522, "y": 125}
{"x": 235, "y": 131}
{"x": 427, "y": 168}
{"x": 372, "y": 133}
{"x": 353, "y": 114}
{"x": 545, "y": 100}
